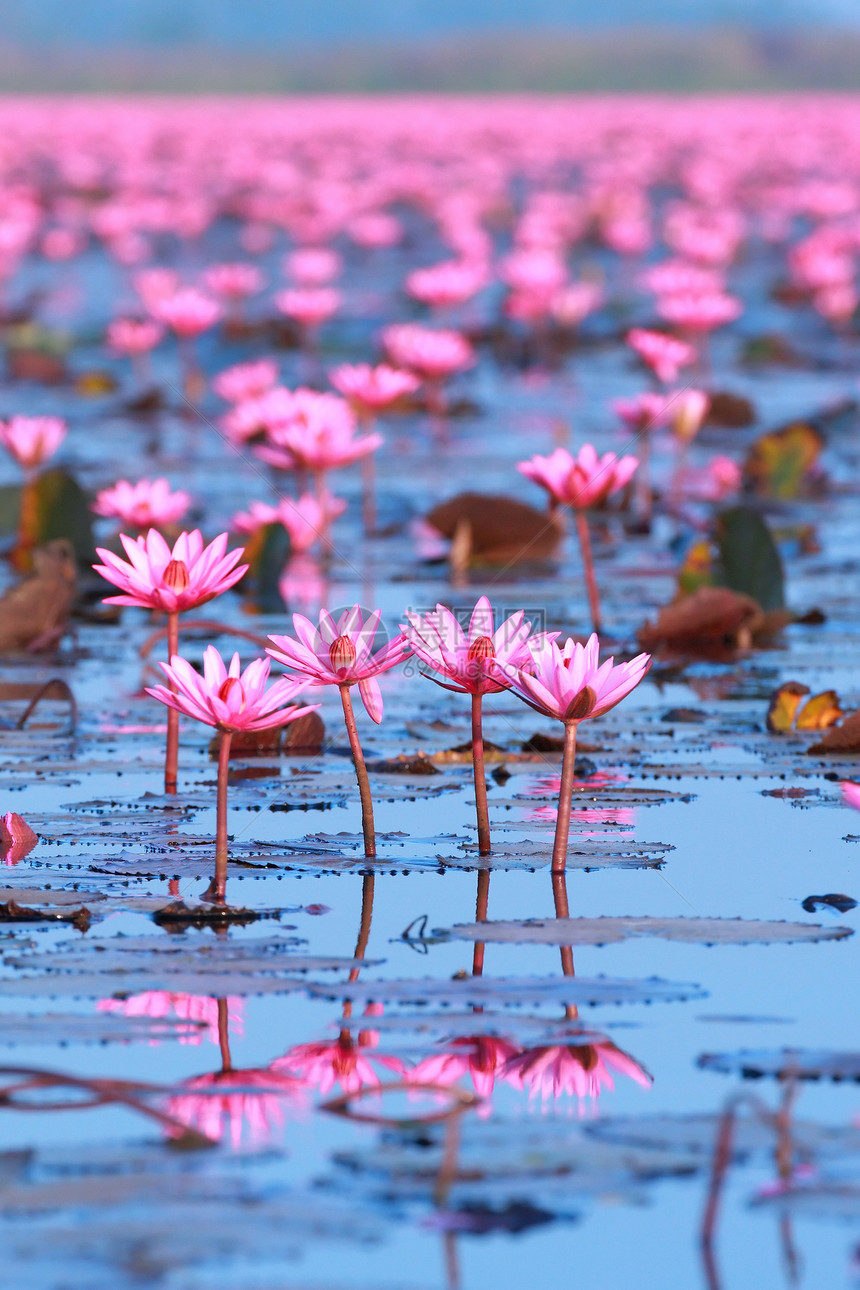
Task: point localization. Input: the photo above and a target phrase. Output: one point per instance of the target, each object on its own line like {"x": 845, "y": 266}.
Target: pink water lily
{"x": 341, "y": 653}
{"x": 580, "y": 482}
{"x": 17, "y": 839}
{"x": 570, "y": 684}
{"x": 483, "y": 1058}
{"x": 32, "y": 440}
{"x": 307, "y": 519}
{"x": 665, "y": 355}
{"x": 175, "y": 578}
{"x": 371, "y": 389}
{"x": 476, "y": 662}
{"x": 323, "y": 1065}
{"x": 231, "y": 701}
{"x": 246, "y": 380}
{"x": 850, "y": 793}
{"x": 146, "y": 504}
{"x": 236, "y": 1104}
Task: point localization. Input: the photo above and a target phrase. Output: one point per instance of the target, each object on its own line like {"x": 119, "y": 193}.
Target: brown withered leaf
{"x": 36, "y": 365}
{"x": 783, "y": 706}
{"x": 500, "y": 530}
{"x": 711, "y": 620}
{"x": 34, "y": 613}
{"x": 299, "y": 738}
{"x": 730, "y": 410}
{"x": 840, "y": 739}
{"x": 820, "y": 712}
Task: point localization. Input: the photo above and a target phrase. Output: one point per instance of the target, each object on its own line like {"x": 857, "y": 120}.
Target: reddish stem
{"x": 643, "y": 477}
{"x": 588, "y": 566}
{"x": 360, "y": 774}
{"x": 481, "y": 903}
{"x": 171, "y": 759}
{"x": 480, "y": 778}
{"x": 565, "y": 798}
{"x": 218, "y": 890}
{"x": 224, "y": 1035}
{"x": 562, "y": 910}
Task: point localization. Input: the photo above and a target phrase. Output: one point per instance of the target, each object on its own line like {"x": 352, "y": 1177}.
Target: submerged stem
{"x": 224, "y": 1034}
{"x": 565, "y": 797}
{"x": 360, "y": 774}
{"x": 480, "y": 779}
{"x": 171, "y": 757}
{"x": 588, "y": 566}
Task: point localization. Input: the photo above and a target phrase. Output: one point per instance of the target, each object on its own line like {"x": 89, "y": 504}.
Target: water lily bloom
{"x": 665, "y": 355}
{"x": 699, "y": 311}
{"x": 17, "y": 839}
{"x": 313, "y": 266}
{"x": 236, "y": 1103}
{"x": 307, "y": 519}
{"x": 146, "y": 504}
{"x": 476, "y": 662}
{"x": 173, "y": 580}
{"x": 687, "y": 410}
{"x": 309, "y": 306}
{"x": 231, "y": 701}
{"x": 317, "y": 433}
{"x": 570, "y": 684}
{"x": 134, "y": 336}
{"x": 246, "y": 380}
{"x": 371, "y": 389}
{"x": 452, "y": 282}
{"x": 32, "y": 440}
{"x": 432, "y": 354}
{"x": 483, "y": 1058}
{"x": 579, "y": 482}
{"x": 187, "y": 311}
{"x": 582, "y": 1070}
{"x": 342, "y": 1061}
{"x": 341, "y": 653}
{"x": 645, "y": 411}
{"x": 233, "y": 281}
{"x": 155, "y": 284}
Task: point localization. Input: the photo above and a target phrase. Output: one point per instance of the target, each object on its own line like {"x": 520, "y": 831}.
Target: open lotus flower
{"x": 175, "y": 579}
{"x": 134, "y": 336}
{"x": 699, "y": 311}
{"x": 172, "y": 580}
{"x": 246, "y": 380}
{"x": 234, "y": 281}
{"x": 570, "y": 684}
{"x": 665, "y": 355}
{"x": 307, "y": 519}
{"x": 187, "y": 311}
{"x": 17, "y": 839}
{"x": 32, "y": 440}
{"x": 341, "y": 653}
{"x": 371, "y": 389}
{"x": 309, "y": 306}
{"x": 317, "y": 433}
{"x": 580, "y": 482}
{"x": 432, "y": 354}
{"x": 581, "y": 1070}
{"x": 231, "y": 701}
{"x": 146, "y": 504}
{"x": 476, "y": 662}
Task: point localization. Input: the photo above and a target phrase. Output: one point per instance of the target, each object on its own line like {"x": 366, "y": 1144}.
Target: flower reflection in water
{"x": 582, "y": 1071}
{"x": 550, "y": 787}
{"x": 186, "y": 1007}
{"x": 343, "y": 1061}
{"x": 241, "y": 1105}
{"x": 484, "y": 1058}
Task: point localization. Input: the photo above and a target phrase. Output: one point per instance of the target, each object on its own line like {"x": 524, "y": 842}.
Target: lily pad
{"x": 606, "y": 931}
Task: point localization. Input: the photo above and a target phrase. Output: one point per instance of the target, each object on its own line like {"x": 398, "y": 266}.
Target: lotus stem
{"x": 219, "y": 884}
{"x": 171, "y": 758}
{"x": 643, "y": 476}
{"x": 565, "y": 798}
{"x": 28, "y": 522}
{"x": 367, "y": 886}
{"x": 588, "y": 566}
{"x": 480, "y": 779}
{"x": 360, "y": 774}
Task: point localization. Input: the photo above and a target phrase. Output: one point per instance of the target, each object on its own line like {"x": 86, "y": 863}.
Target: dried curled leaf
{"x": 712, "y": 619}
{"x": 500, "y": 530}
{"x": 783, "y": 707}
{"x": 820, "y": 712}
{"x": 840, "y": 739}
